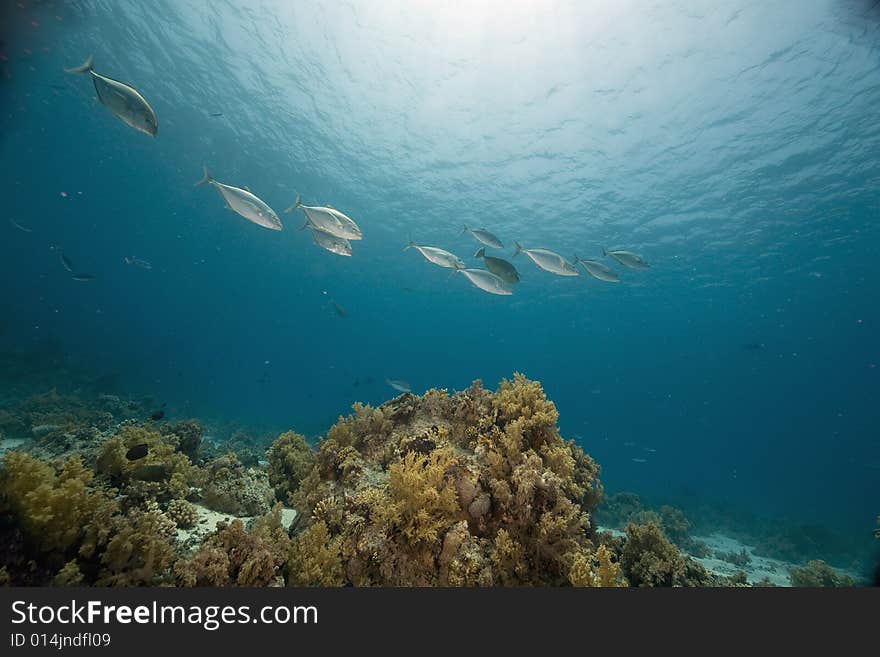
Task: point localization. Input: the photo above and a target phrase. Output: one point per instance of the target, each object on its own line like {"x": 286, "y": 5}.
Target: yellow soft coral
{"x": 595, "y": 569}
{"x": 423, "y": 500}
{"x": 290, "y": 460}
{"x": 59, "y": 511}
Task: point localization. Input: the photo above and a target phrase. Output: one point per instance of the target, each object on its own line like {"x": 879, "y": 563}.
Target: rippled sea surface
{"x": 734, "y": 145}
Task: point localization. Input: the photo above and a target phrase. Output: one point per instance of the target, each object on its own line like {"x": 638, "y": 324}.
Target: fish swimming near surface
{"x": 137, "y": 452}
{"x": 484, "y": 236}
{"x": 399, "y": 385}
{"x": 627, "y": 259}
{"x": 486, "y": 281}
{"x": 123, "y": 100}
{"x": 598, "y": 270}
{"x": 83, "y": 277}
{"x": 500, "y": 267}
{"x": 137, "y": 262}
{"x": 245, "y": 203}
{"x": 332, "y": 243}
{"x": 548, "y": 261}
{"x": 65, "y": 262}
{"x": 20, "y": 227}
{"x": 437, "y": 256}
{"x": 328, "y": 219}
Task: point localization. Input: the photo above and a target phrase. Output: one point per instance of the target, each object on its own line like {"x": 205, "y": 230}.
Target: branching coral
{"x": 817, "y": 573}
{"x": 596, "y": 569}
{"x": 476, "y": 488}
{"x": 290, "y": 460}
{"x": 237, "y": 556}
{"x": 141, "y": 551}
{"x": 650, "y": 559}
{"x": 146, "y": 465}
{"x": 231, "y": 488}
{"x": 57, "y": 508}
{"x": 182, "y": 513}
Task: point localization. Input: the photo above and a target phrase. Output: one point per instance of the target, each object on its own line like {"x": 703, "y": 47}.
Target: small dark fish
{"x": 158, "y": 415}
{"x": 20, "y": 227}
{"x": 137, "y": 452}
{"x": 754, "y": 346}
{"x": 151, "y": 472}
{"x": 83, "y": 277}
{"x": 65, "y": 262}
{"x": 339, "y": 309}
{"x": 216, "y": 114}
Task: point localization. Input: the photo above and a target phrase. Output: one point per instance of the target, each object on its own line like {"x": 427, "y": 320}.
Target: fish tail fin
{"x": 464, "y": 229}
{"x": 206, "y": 178}
{"x": 604, "y": 251}
{"x": 85, "y": 67}
{"x": 575, "y": 260}
{"x": 296, "y": 204}
{"x": 480, "y": 253}
{"x": 409, "y": 245}
{"x": 518, "y": 249}
{"x": 305, "y": 225}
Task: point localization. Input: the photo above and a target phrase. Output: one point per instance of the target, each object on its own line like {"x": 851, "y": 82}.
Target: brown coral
{"x": 290, "y": 460}
{"x": 476, "y": 488}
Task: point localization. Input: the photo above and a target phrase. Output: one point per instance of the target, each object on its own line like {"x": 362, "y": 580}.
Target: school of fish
{"x": 333, "y": 230}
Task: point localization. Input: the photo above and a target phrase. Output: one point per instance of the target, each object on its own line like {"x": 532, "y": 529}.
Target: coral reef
{"x": 182, "y": 513}
{"x": 622, "y": 509}
{"x": 741, "y": 558}
{"x": 290, "y": 460}
{"x": 472, "y": 488}
{"x": 817, "y": 573}
{"x": 146, "y": 465}
{"x": 237, "y": 556}
{"x": 476, "y": 488}
{"x": 650, "y": 559}
{"x": 231, "y": 488}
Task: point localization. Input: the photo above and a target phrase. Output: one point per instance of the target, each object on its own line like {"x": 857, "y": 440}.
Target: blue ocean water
{"x": 732, "y": 144}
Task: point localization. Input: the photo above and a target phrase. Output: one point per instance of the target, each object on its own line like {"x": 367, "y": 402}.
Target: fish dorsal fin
{"x": 248, "y": 189}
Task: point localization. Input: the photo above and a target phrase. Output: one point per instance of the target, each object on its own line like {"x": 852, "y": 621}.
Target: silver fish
{"x": 65, "y": 262}
{"x": 486, "y": 281}
{"x": 244, "y": 203}
{"x": 484, "y": 236}
{"x": 500, "y": 267}
{"x": 628, "y": 259}
{"x": 330, "y": 220}
{"x": 400, "y": 386}
{"x": 548, "y": 261}
{"x": 123, "y": 100}
{"x": 137, "y": 262}
{"x": 437, "y": 256}
{"x": 83, "y": 277}
{"x": 598, "y": 270}
{"x": 20, "y": 227}
{"x": 332, "y": 243}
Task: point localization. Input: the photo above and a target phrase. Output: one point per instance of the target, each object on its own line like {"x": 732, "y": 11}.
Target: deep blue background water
{"x": 733, "y": 144}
